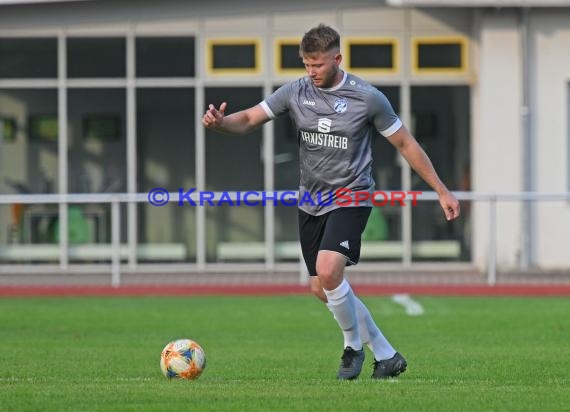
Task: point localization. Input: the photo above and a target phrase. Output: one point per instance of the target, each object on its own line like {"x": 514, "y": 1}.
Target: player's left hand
{"x": 450, "y": 205}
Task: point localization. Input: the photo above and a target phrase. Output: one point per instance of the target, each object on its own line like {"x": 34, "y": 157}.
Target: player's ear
{"x": 338, "y": 59}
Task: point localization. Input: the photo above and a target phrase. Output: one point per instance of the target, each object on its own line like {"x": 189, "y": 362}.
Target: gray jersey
{"x": 334, "y": 130}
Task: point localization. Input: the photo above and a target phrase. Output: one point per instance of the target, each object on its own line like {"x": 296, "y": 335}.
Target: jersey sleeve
{"x": 278, "y": 101}
{"x": 382, "y": 114}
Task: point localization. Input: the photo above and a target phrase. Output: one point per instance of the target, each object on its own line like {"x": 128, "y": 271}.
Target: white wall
{"x": 497, "y": 144}
{"x": 550, "y": 116}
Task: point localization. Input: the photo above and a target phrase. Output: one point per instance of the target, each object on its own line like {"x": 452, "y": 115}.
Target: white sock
{"x": 341, "y": 304}
{"x": 371, "y": 334}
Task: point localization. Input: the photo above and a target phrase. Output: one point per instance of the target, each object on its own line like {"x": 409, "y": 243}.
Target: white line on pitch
{"x": 412, "y": 307}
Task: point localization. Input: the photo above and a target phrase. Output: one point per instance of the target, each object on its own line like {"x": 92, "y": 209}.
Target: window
{"x": 373, "y": 56}
{"x": 96, "y": 140}
{"x": 439, "y": 55}
{"x": 287, "y": 59}
{"x": 234, "y": 165}
{"x": 96, "y": 57}
{"x": 29, "y": 155}
{"x": 165, "y": 57}
{"x": 443, "y": 131}
{"x": 27, "y": 58}
{"x": 233, "y": 56}
{"x": 165, "y": 138}
{"x": 166, "y": 158}
{"x": 385, "y": 222}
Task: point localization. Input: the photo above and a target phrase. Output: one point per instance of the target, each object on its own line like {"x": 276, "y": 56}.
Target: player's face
{"x": 323, "y": 68}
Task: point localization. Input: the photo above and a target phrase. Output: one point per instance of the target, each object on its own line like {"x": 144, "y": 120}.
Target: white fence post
{"x": 115, "y": 243}
{"x": 492, "y": 259}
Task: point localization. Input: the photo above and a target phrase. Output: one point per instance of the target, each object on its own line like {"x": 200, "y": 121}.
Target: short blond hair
{"x": 319, "y": 39}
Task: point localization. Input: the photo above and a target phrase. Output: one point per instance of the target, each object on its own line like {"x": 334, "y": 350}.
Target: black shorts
{"x": 339, "y": 230}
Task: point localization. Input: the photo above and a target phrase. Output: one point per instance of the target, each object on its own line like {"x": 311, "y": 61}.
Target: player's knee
{"x": 329, "y": 276}
{"x": 330, "y": 269}
{"x": 325, "y": 273}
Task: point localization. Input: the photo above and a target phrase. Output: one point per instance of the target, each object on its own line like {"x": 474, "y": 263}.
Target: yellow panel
{"x": 286, "y": 41}
{"x": 461, "y": 40}
{"x": 373, "y": 41}
{"x": 210, "y": 43}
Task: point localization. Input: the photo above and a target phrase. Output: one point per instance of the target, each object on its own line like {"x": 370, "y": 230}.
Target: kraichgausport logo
{"x": 343, "y": 197}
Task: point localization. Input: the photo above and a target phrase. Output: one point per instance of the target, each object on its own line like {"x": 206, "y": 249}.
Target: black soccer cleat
{"x": 350, "y": 364}
{"x": 389, "y": 368}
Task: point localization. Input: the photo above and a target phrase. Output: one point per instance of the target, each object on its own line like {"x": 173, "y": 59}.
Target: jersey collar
{"x": 338, "y": 86}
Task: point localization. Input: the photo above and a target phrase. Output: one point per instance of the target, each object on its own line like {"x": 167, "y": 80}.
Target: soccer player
{"x": 335, "y": 113}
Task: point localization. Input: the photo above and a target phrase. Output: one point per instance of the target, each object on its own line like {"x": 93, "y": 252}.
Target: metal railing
{"x": 116, "y": 199}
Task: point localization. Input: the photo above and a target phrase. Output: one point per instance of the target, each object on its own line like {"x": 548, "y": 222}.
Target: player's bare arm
{"x": 241, "y": 122}
{"x": 420, "y": 162}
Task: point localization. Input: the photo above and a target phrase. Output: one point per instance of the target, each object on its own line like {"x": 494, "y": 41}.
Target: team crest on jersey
{"x": 340, "y": 105}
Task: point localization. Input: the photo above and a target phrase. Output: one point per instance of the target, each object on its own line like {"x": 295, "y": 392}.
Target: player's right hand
{"x": 213, "y": 117}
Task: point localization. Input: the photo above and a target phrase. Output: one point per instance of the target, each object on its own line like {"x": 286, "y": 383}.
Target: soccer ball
{"x": 183, "y": 359}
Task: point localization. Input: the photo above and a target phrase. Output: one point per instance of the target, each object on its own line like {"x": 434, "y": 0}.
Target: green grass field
{"x": 281, "y": 354}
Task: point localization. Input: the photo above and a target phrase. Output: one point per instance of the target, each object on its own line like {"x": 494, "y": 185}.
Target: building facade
{"x": 107, "y": 96}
